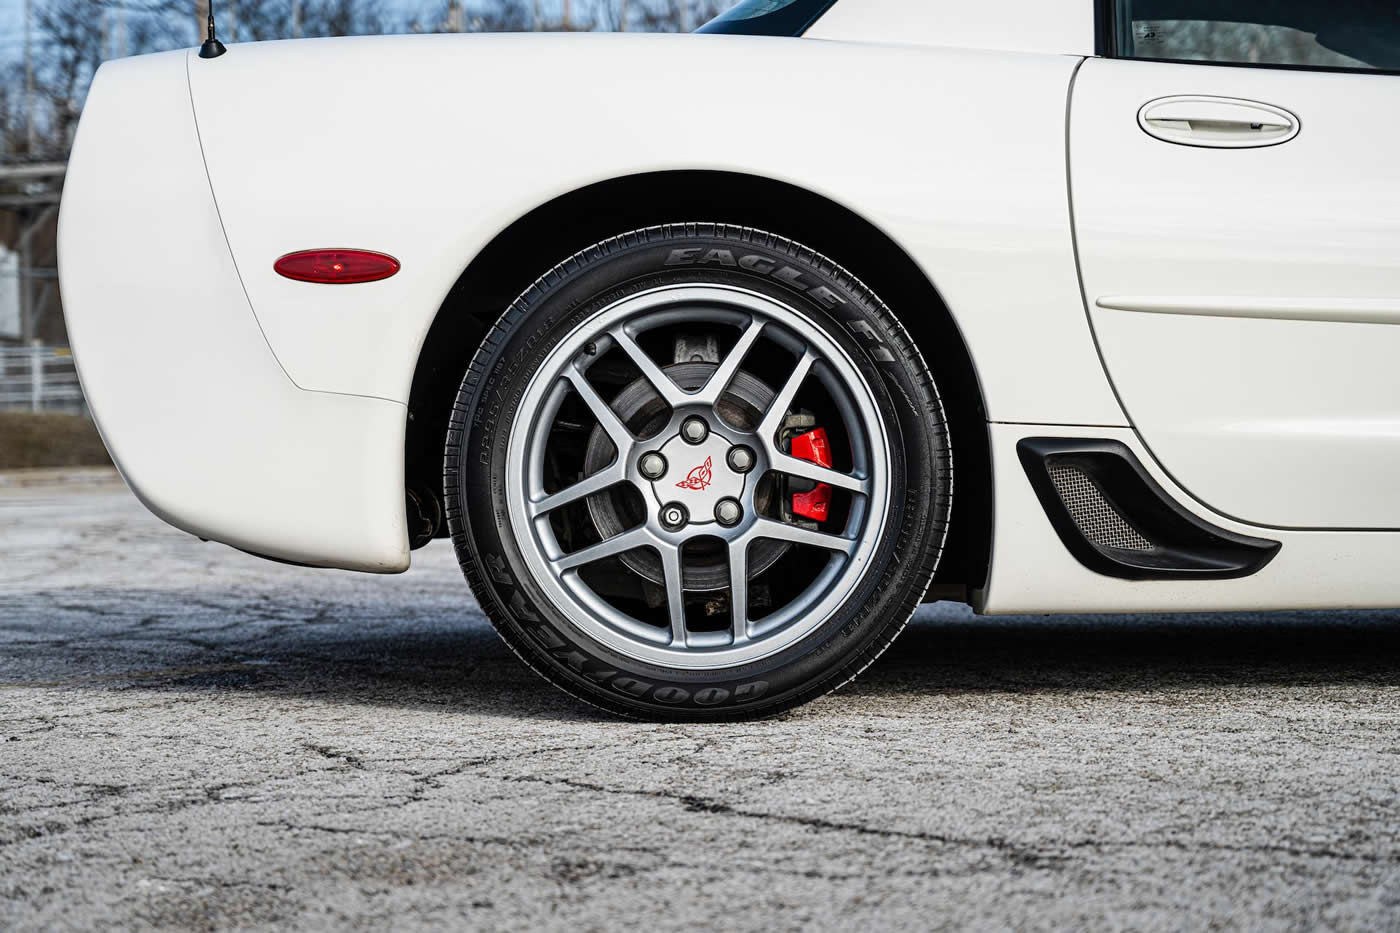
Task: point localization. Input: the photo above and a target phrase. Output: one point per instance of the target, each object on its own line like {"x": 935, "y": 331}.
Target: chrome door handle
{"x": 1217, "y": 122}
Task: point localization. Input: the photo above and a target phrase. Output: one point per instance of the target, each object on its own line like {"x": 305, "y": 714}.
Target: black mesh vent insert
{"x": 1097, "y": 519}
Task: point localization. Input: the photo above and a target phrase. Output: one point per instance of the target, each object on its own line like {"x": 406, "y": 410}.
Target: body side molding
{"x": 1327, "y": 310}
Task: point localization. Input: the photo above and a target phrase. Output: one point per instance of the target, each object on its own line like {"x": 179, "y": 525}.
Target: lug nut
{"x": 695, "y": 430}
{"x": 728, "y": 512}
{"x": 673, "y": 516}
{"x": 741, "y": 459}
{"x": 652, "y": 465}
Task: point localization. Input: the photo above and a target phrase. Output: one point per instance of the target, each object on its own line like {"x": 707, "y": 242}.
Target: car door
{"x": 1236, "y": 204}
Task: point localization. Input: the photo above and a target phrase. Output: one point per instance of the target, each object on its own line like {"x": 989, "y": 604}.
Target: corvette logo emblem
{"x": 699, "y": 477}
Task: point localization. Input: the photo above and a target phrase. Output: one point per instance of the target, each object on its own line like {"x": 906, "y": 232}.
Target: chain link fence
{"x": 39, "y": 378}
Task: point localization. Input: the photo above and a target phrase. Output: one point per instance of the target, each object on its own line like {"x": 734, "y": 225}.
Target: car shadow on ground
{"x": 1140, "y": 652}
{"x": 426, "y": 654}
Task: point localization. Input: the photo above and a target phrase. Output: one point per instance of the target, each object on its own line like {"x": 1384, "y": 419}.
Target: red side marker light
{"x": 336, "y": 266}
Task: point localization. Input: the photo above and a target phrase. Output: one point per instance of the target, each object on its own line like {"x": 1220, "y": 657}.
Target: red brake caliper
{"x": 814, "y": 448}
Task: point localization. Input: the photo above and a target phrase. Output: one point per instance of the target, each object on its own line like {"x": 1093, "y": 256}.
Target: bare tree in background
{"x": 572, "y": 15}
{"x": 465, "y": 16}
{"x": 11, "y": 116}
{"x": 73, "y": 37}
{"x": 345, "y": 18}
{"x": 676, "y": 15}
{"x": 69, "y": 53}
{"x": 261, "y": 20}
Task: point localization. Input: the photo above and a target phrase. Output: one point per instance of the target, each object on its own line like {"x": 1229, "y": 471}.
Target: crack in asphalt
{"x": 1022, "y": 853}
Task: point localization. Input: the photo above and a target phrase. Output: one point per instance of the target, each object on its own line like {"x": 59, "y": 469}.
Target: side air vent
{"x": 1093, "y": 515}
{"x": 1116, "y": 520}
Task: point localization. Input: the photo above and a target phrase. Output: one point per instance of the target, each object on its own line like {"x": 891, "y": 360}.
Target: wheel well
{"x": 556, "y": 230}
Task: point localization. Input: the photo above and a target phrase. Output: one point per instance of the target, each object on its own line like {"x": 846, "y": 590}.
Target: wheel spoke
{"x": 670, "y": 393}
{"x": 782, "y": 531}
{"x": 719, "y": 380}
{"x": 792, "y": 466}
{"x": 739, "y": 589}
{"x": 621, "y": 437}
{"x": 609, "y": 547}
{"x": 675, "y": 592}
{"x": 587, "y": 486}
{"x": 773, "y": 417}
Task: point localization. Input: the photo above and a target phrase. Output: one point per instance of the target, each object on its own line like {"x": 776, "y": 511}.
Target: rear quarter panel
{"x": 426, "y": 147}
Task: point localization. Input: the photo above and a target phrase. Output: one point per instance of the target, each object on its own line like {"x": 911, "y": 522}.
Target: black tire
{"x": 867, "y": 621}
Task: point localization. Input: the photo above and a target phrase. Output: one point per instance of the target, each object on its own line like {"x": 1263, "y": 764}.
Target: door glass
{"x": 1306, "y": 33}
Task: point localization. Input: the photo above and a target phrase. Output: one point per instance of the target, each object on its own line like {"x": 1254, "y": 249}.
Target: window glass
{"x": 769, "y": 17}
{"x": 1308, "y": 33}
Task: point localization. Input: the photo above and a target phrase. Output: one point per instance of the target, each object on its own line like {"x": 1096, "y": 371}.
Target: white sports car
{"x": 716, "y": 354}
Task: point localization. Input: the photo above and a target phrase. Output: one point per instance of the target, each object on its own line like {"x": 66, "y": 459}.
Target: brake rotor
{"x": 706, "y": 565}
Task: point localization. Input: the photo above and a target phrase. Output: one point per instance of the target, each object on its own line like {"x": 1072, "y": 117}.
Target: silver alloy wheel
{"x": 698, "y": 476}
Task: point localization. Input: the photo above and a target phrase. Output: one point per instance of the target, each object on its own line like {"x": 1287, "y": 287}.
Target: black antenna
{"x": 212, "y": 47}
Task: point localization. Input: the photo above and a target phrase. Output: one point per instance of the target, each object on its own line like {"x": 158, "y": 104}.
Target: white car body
{"x": 1227, "y": 314}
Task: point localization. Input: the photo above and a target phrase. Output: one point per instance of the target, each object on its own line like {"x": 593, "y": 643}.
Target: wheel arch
{"x": 560, "y": 227}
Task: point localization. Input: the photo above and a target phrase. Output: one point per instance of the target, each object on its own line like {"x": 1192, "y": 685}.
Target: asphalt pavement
{"x": 192, "y": 738}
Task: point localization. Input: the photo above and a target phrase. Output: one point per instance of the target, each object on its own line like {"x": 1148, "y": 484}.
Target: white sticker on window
{"x": 1148, "y": 33}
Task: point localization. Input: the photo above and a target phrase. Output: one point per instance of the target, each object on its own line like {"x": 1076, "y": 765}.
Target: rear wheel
{"x": 698, "y": 472}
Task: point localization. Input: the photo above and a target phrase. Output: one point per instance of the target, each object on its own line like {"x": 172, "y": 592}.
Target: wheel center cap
{"x": 697, "y": 476}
